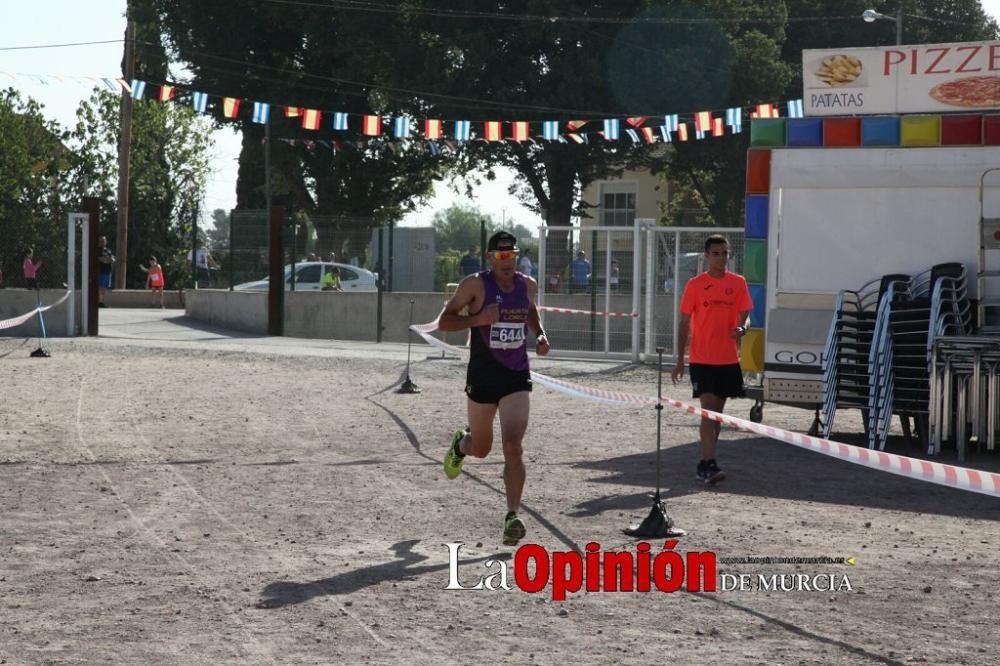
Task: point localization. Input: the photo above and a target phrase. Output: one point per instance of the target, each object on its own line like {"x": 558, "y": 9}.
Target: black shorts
{"x": 489, "y": 388}
{"x": 724, "y": 381}
{"x": 32, "y": 283}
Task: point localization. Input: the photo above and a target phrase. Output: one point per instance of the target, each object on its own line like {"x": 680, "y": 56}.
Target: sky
{"x": 43, "y": 23}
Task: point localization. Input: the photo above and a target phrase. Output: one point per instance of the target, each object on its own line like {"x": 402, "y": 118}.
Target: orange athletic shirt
{"x": 156, "y": 277}
{"x": 714, "y": 305}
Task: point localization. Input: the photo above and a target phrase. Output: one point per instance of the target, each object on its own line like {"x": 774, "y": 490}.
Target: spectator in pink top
{"x": 31, "y": 269}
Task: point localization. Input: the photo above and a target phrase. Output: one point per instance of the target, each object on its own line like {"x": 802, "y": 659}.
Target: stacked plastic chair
{"x": 900, "y": 356}
{"x": 848, "y": 345}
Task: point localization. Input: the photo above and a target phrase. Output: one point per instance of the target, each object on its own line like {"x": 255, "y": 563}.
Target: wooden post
{"x": 92, "y": 206}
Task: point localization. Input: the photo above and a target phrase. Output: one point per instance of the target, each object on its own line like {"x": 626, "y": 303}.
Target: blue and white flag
{"x": 670, "y": 121}
{"x": 734, "y": 116}
{"x": 665, "y": 133}
{"x": 699, "y": 134}
{"x": 633, "y": 135}
{"x": 199, "y": 101}
{"x": 795, "y": 108}
{"x": 401, "y": 127}
{"x": 550, "y": 130}
{"x": 138, "y": 88}
{"x": 434, "y": 148}
{"x": 463, "y": 130}
{"x": 261, "y": 112}
{"x": 339, "y": 120}
{"x": 611, "y": 129}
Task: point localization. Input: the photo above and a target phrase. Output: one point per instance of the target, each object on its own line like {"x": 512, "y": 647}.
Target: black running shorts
{"x": 724, "y": 381}
{"x": 489, "y": 388}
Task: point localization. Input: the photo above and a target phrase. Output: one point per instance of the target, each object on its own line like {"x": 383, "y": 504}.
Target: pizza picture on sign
{"x": 976, "y": 91}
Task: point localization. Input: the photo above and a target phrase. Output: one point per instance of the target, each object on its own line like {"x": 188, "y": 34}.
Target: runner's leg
{"x": 514, "y": 410}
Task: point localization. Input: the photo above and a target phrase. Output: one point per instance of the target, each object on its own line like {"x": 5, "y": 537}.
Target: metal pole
{"x": 899, "y": 25}
{"x": 392, "y": 252}
{"x": 194, "y": 250}
{"x": 231, "y": 261}
{"x": 636, "y": 291}
{"x": 542, "y": 269}
{"x": 677, "y": 293}
{"x": 71, "y": 273}
{"x": 124, "y": 148}
{"x": 593, "y": 293}
{"x": 379, "y": 283}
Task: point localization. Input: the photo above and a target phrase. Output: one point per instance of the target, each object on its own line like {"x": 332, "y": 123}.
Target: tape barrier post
{"x": 40, "y": 352}
{"x": 657, "y": 525}
{"x": 408, "y": 386}
{"x": 951, "y": 476}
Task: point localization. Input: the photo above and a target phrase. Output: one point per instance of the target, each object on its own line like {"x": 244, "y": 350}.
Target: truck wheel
{"x": 757, "y": 412}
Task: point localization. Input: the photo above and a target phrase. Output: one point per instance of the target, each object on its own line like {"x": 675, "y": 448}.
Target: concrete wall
{"x": 354, "y": 316}
{"x": 141, "y": 298}
{"x": 16, "y": 302}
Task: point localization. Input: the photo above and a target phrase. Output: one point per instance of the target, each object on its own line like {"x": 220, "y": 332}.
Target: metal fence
{"x": 624, "y": 284}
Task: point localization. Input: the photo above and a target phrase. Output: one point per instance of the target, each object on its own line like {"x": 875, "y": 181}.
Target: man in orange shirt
{"x": 714, "y": 308}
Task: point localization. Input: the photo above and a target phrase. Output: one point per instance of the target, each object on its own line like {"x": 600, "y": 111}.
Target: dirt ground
{"x": 186, "y": 505}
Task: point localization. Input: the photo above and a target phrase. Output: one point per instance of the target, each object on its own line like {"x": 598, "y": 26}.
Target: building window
{"x": 617, "y": 205}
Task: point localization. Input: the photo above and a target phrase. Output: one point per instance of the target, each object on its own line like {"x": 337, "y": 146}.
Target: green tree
{"x": 170, "y": 166}
{"x": 304, "y": 55}
{"x": 218, "y": 235}
{"x": 458, "y": 228}
{"x": 33, "y": 196}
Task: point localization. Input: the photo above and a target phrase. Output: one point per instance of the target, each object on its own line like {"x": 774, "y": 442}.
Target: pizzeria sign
{"x": 901, "y": 79}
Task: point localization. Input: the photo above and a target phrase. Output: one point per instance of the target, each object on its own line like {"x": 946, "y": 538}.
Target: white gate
{"x": 587, "y": 278}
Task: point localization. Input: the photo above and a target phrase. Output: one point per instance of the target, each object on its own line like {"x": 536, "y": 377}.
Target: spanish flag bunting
{"x": 292, "y": 112}
{"x": 574, "y": 125}
{"x": 310, "y": 119}
{"x": 493, "y": 131}
{"x": 647, "y": 132}
{"x": 636, "y": 121}
{"x": 718, "y": 127}
{"x": 520, "y": 130}
{"x": 230, "y": 107}
{"x": 167, "y": 93}
{"x": 372, "y": 125}
{"x": 432, "y": 129}
{"x": 703, "y": 121}
{"x": 764, "y": 111}
{"x": 682, "y": 132}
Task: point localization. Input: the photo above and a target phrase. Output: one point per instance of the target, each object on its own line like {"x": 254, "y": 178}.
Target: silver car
{"x": 309, "y": 277}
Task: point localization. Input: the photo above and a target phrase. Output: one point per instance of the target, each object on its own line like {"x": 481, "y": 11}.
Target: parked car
{"x": 309, "y": 277}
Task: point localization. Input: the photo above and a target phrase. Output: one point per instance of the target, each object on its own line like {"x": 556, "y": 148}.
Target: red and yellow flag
{"x": 520, "y": 130}
{"x": 703, "y": 121}
{"x": 167, "y": 93}
{"x": 493, "y": 131}
{"x": 574, "y": 125}
{"x": 718, "y": 128}
{"x": 310, "y": 118}
{"x": 230, "y": 107}
{"x": 292, "y": 112}
{"x": 636, "y": 121}
{"x": 372, "y": 125}
{"x": 432, "y": 129}
{"x": 682, "y": 132}
{"x": 648, "y": 133}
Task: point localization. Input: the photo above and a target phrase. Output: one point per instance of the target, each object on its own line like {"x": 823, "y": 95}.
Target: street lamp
{"x": 870, "y": 16}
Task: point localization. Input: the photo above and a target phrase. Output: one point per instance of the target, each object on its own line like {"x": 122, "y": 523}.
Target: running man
{"x": 498, "y": 379}
{"x": 714, "y": 308}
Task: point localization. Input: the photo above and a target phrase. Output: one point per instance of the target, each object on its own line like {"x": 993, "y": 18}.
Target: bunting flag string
{"x": 638, "y": 129}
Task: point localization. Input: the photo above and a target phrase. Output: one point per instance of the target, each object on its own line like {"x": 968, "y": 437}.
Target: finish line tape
{"x": 952, "y": 476}
{"x": 17, "y": 321}
{"x": 548, "y": 308}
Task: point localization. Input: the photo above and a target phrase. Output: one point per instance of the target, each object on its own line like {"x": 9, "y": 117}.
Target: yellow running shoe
{"x": 513, "y": 529}
{"x": 453, "y": 460}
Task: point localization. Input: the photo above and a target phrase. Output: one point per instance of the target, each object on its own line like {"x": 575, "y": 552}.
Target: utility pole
{"x": 124, "y": 150}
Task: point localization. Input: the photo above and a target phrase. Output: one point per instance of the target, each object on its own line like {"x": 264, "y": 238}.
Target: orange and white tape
{"x": 548, "y": 308}
{"x": 17, "y": 321}
{"x": 952, "y": 476}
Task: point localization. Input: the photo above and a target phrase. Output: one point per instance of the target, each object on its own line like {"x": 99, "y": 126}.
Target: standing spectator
{"x": 154, "y": 280}
{"x": 203, "y": 264}
{"x": 524, "y": 264}
{"x": 31, "y": 269}
{"x": 579, "y": 272}
{"x": 470, "y": 263}
{"x": 105, "y": 265}
{"x": 615, "y": 274}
